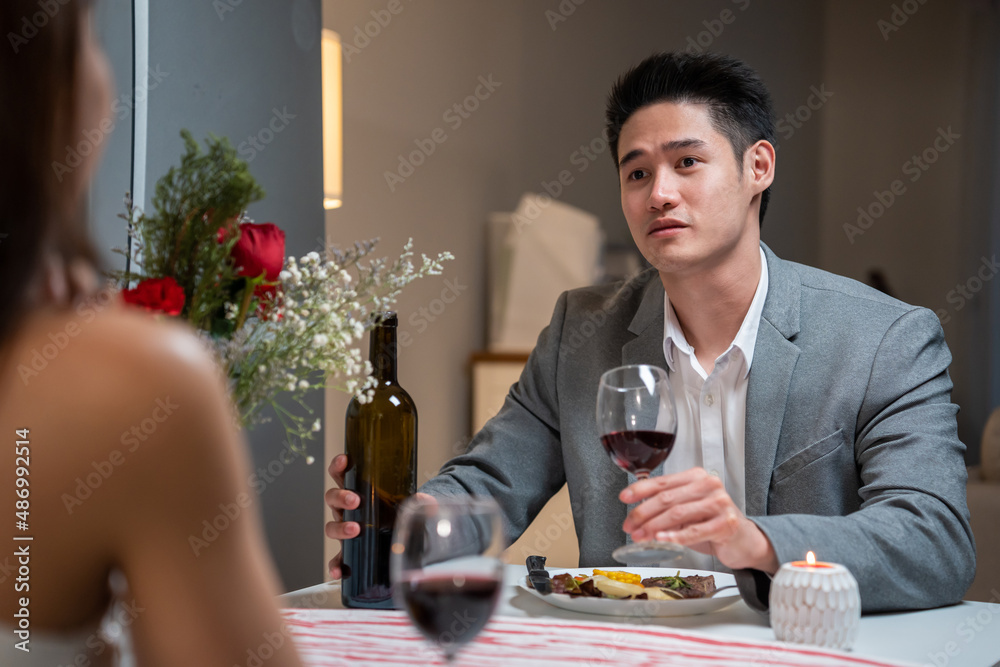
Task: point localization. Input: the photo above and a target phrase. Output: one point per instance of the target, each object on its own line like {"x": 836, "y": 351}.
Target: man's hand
{"x": 692, "y": 508}
{"x": 339, "y": 500}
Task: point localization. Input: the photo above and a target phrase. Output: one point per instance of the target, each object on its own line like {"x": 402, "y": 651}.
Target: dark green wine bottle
{"x": 381, "y": 445}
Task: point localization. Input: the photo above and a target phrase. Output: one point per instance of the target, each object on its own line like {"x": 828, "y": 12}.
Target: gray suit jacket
{"x": 851, "y": 442}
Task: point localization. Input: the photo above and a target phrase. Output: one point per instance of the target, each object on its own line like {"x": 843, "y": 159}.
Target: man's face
{"x": 686, "y": 204}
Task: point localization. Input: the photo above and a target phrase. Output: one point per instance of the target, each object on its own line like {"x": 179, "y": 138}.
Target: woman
{"x": 116, "y": 433}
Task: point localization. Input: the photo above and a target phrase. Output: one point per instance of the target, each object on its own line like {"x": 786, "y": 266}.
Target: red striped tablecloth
{"x": 359, "y": 637}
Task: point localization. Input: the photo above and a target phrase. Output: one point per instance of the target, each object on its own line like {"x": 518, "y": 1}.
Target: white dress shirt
{"x": 711, "y": 407}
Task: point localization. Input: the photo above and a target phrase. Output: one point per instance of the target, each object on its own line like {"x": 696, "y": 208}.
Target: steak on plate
{"x": 692, "y": 586}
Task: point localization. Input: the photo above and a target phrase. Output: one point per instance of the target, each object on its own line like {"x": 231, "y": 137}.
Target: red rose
{"x": 157, "y": 295}
{"x": 260, "y": 250}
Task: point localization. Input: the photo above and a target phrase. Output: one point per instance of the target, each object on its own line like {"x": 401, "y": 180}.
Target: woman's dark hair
{"x": 39, "y": 214}
{"x": 739, "y": 104}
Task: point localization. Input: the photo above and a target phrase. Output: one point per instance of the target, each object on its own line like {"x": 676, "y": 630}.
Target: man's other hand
{"x": 692, "y": 508}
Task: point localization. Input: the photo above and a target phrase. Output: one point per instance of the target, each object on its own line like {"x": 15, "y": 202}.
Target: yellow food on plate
{"x": 616, "y": 589}
{"x": 655, "y": 593}
{"x": 621, "y": 584}
{"x": 618, "y": 575}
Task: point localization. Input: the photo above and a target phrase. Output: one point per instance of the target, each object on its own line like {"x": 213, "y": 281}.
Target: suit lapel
{"x": 647, "y": 325}
{"x": 774, "y": 361}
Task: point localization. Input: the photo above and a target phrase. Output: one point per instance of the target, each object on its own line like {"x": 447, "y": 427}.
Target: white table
{"x": 965, "y": 635}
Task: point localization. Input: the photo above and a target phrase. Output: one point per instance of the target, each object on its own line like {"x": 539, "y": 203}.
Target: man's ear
{"x": 760, "y": 165}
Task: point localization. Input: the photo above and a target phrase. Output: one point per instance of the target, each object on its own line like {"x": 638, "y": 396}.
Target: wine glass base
{"x": 648, "y": 553}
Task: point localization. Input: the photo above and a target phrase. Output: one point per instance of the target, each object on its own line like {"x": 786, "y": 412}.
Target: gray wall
{"x": 896, "y": 90}
{"x": 226, "y": 73}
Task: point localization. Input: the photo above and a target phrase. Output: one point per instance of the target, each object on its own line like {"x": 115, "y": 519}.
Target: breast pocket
{"x": 820, "y": 479}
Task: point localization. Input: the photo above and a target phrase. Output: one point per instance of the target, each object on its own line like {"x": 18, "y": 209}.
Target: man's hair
{"x": 739, "y": 104}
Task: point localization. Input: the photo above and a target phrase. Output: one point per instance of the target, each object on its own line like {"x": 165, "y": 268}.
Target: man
{"x": 814, "y": 412}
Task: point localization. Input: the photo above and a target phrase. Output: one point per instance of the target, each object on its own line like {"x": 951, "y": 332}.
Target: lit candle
{"x": 815, "y": 603}
{"x": 810, "y": 561}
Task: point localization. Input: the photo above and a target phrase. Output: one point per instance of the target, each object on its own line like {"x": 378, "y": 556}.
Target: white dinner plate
{"x": 640, "y": 608}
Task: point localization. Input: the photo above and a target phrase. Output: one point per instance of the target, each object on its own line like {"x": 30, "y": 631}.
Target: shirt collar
{"x": 746, "y": 337}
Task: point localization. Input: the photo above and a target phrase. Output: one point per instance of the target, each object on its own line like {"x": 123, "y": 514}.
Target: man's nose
{"x": 663, "y": 192}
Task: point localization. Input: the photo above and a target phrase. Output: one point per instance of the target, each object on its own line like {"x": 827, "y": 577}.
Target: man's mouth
{"x": 666, "y": 227}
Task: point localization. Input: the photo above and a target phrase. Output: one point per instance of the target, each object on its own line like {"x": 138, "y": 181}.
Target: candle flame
{"x": 811, "y": 558}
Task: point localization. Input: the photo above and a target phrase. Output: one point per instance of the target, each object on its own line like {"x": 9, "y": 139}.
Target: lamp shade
{"x": 333, "y": 121}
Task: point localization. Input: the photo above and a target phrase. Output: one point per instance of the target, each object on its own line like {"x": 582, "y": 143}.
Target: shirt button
{"x": 709, "y": 399}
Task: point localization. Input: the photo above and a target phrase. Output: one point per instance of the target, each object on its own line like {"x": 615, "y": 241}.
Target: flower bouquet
{"x": 279, "y": 326}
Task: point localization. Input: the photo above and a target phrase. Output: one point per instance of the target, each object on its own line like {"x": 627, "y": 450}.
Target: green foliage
{"x": 207, "y": 192}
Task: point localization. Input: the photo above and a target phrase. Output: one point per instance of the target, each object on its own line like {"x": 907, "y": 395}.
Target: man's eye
{"x": 636, "y": 175}
{"x": 688, "y": 162}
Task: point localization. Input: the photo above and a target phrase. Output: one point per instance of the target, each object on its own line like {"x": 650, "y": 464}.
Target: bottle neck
{"x": 382, "y": 354}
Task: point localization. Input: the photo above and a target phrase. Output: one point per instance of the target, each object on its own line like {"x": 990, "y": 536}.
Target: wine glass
{"x": 637, "y": 423}
{"x": 446, "y": 567}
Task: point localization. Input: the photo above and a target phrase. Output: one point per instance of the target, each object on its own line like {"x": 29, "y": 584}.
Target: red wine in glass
{"x": 637, "y": 425}
{"x": 435, "y": 602}
{"x": 446, "y": 567}
{"x": 638, "y": 452}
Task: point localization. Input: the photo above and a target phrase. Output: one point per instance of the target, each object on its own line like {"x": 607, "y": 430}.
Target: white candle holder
{"x": 815, "y": 603}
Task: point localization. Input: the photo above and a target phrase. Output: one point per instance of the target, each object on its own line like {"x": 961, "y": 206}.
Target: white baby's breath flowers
{"x": 313, "y": 332}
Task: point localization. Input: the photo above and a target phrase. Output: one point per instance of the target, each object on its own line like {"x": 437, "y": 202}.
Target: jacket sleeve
{"x": 910, "y": 544}
{"x": 516, "y": 458}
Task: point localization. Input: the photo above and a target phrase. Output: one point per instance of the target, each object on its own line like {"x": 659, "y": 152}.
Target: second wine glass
{"x": 637, "y": 424}
{"x": 446, "y": 566}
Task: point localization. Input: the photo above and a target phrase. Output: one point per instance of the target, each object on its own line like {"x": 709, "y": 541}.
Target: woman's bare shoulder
{"x": 123, "y": 386}
{"x": 114, "y": 364}
{"x": 120, "y": 339}
{"x": 166, "y": 346}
